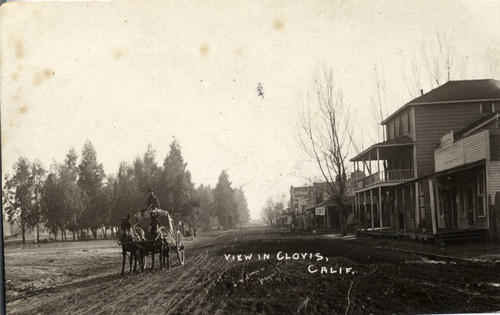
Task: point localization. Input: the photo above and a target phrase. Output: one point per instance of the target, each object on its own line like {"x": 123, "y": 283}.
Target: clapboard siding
{"x": 390, "y": 130}
{"x": 431, "y": 121}
{"x": 398, "y": 125}
{"x": 475, "y": 147}
{"x": 494, "y": 186}
{"x": 494, "y": 179}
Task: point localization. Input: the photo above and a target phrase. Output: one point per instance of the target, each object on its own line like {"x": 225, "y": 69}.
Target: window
{"x": 486, "y": 107}
{"x": 480, "y": 195}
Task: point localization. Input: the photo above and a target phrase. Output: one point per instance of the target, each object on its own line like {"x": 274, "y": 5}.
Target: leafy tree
{"x": 75, "y": 200}
{"x": 105, "y": 202}
{"x": 127, "y": 199}
{"x": 225, "y": 204}
{"x": 205, "y": 196}
{"x": 176, "y": 192}
{"x": 52, "y": 203}
{"x": 146, "y": 172}
{"x": 241, "y": 206}
{"x": 37, "y": 180}
{"x": 90, "y": 180}
{"x": 20, "y": 195}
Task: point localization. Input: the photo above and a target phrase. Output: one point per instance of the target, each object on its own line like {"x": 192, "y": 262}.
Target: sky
{"x": 125, "y": 74}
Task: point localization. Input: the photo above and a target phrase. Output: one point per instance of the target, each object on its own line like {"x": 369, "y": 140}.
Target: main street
{"x": 254, "y": 269}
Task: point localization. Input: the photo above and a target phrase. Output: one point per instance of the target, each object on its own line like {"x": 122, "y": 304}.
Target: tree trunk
{"x": 54, "y": 231}
{"x": 37, "y": 233}
{"x": 342, "y": 222}
{"x": 104, "y": 233}
{"x": 23, "y": 232}
{"x": 73, "y": 235}
{"x": 94, "y": 233}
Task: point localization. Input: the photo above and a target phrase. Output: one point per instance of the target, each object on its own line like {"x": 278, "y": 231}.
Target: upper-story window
{"x": 487, "y": 108}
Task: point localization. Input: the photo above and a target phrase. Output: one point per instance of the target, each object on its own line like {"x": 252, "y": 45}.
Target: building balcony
{"x": 388, "y": 163}
{"x": 387, "y": 176}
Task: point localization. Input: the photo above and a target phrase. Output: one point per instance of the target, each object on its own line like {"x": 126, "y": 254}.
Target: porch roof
{"x": 386, "y": 149}
{"x": 326, "y": 203}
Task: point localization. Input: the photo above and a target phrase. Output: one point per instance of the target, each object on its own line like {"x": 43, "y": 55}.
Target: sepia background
{"x": 127, "y": 74}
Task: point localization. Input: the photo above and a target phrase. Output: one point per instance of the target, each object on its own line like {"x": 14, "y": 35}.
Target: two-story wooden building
{"x": 401, "y": 193}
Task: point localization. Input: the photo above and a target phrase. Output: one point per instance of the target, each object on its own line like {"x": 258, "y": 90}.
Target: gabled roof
{"x": 457, "y": 91}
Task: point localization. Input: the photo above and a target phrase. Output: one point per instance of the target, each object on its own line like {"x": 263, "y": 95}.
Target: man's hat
{"x": 151, "y": 190}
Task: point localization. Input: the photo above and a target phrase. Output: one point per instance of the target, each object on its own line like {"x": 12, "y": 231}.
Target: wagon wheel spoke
{"x": 180, "y": 248}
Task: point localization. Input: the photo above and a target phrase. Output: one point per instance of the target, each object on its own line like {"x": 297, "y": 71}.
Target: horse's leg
{"x": 130, "y": 259}
{"x": 167, "y": 252}
{"x": 135, "y": 259}
{"x": 160, "y": 253}
{"x": 141, "y": 258}
{"x": 124, "y": 253}
{"x": 153, "y": 259}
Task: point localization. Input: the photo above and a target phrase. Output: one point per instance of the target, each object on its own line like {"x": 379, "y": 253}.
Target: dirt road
{"x": 250, "y": 270}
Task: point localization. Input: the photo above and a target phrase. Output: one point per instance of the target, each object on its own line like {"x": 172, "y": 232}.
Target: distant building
{"x": 314, "y": 207}
{"x": 300, "y": 199}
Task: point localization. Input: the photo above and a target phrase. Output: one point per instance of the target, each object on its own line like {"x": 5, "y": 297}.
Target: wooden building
{"x": 401, "y": 193}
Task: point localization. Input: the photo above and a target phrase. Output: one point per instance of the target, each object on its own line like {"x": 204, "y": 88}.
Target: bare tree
{"x": 325, "y": 136}
{"x": 493, "y": 58}
{"x": 379, "y": 103}
{"x": 434, "y": 64}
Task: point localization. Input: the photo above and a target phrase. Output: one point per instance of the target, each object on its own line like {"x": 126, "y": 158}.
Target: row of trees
{"x": 225, "y": 204}
{"x": 80, "y": 198}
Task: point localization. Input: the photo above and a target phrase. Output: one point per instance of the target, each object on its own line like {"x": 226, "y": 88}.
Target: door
{"x": 469, "y": 203}
{"x": 447, "y": 208}
{"x": 454, "y": 207}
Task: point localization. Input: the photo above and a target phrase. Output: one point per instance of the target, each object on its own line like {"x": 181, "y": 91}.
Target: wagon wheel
{"x": 180, "y": 248}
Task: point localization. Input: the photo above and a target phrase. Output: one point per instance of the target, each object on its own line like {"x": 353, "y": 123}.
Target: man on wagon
{"x": 152, "y": 200}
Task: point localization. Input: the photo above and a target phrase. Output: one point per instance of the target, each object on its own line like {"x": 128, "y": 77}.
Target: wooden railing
{"x": 385, "y": 176}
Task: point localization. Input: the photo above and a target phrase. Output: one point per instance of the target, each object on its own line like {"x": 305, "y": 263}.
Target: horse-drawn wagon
{"x": 152, "y": 232}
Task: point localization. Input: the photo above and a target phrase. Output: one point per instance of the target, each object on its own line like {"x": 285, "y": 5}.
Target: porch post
{"x": 371, "y": 208}
{"x": 364, "y": 203}
{"x": 396, "y": 209}
{"x": 380, "y": 204}
{"x": 378, "y": 165}
{"x": 379, "y": 188}
{"x": 356, "y": 207}
{"x": 433, "y": 209}
{"x": 370, "y": 159}
{"x": 417, "y": 204}
{"x": 404, "y": 208}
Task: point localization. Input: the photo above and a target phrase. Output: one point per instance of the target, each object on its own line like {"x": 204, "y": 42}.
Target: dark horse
{"x": 155, "y": 243}
{"x": 128, "y": 241}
